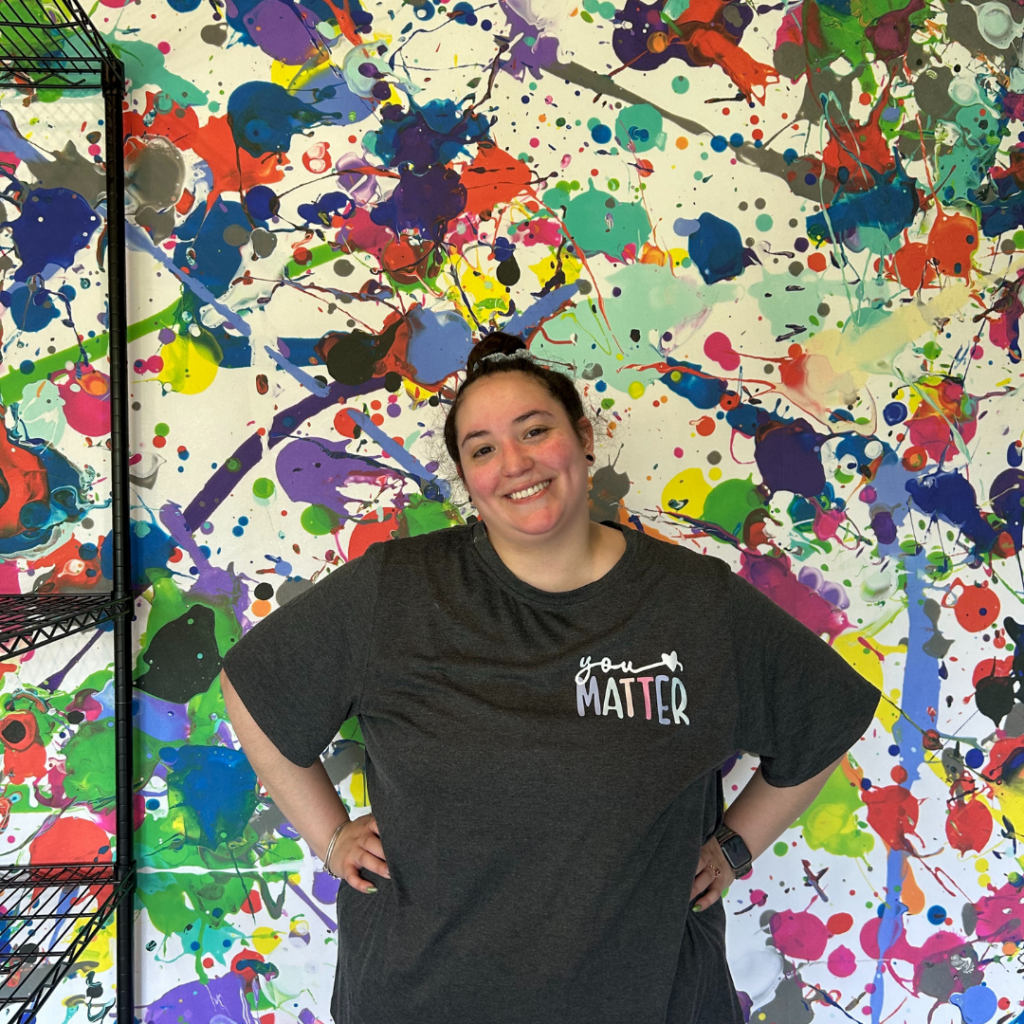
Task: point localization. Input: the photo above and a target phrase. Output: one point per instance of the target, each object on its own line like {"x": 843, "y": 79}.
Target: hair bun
{"x": 491, "y": 344}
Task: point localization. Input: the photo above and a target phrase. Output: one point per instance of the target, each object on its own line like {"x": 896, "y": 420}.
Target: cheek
{"x": 479, "y": 479}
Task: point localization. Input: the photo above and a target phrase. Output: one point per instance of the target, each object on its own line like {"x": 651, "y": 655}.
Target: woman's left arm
{"x": 760, "y": 814}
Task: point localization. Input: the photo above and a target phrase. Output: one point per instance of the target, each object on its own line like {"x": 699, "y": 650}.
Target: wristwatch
{"x": 735, "y": 850}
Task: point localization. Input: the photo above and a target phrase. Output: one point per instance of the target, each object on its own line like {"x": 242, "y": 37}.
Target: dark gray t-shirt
{"x": 544, "y": 769}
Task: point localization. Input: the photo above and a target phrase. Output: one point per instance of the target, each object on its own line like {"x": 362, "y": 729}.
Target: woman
{"x": 546, "y": 704}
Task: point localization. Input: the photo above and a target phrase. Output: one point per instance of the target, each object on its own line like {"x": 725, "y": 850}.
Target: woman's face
{"x": 523, "y": 463}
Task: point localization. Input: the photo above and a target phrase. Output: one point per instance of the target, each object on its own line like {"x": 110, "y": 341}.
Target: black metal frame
{"x": 40, "y": 908}
{"x": 52, "y": 44}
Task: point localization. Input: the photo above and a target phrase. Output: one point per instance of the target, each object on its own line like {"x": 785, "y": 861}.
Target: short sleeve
{"x": 300, "y": 671}
{"x": 802, "y": 705}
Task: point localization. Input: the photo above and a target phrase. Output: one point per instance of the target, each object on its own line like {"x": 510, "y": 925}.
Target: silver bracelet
{"x": 330, "y": 850}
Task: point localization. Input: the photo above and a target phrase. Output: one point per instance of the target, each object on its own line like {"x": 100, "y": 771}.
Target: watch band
{"x": 739, "y": 859}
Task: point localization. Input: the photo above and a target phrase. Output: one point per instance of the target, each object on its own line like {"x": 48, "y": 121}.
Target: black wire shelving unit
{"x": 49, "y": 913}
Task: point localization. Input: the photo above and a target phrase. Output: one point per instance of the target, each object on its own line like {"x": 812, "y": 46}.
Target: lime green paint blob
{"x": 161, "y": 430}
{"x": 830, "y": 823}
{"x": 422, "y": 516}
{"x": 263, "y": 487}
{"x": 195, "y": 908}
{"x": 639, "y": 128}
{"x": 144, "y": 65}
{"x": 680, "y": 84}
{"x": 89, "y": 757}
{"x": 600, "y": 223}
{"x": 842, "y": 35}
{"x": 729, "y": 504}
{"x": 932, "y": 350}
{"x": 318, "y": 255}
{"x": 14, "y": 382}
{"x": 764, "y": 222}
{"x": 780, "y": 848}
{"x": 319, "y": 520}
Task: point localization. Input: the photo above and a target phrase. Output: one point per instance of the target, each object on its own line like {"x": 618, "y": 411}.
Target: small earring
{"x": 590, "y": 458}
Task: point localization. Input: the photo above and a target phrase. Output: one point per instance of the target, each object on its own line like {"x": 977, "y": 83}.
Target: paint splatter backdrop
{"x": 782, "y": 249}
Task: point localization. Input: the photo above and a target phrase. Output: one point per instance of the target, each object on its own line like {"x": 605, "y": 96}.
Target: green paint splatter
{"x": 764, "y": 222}
{"x": 680, "y": 84}
{"x": 830, "y": 823}
{"x": 144, "y": 65}
{"x": 600, "y": 223}
{"x": 729, "y": 504}
{"x": 639, "y": 128}
{"x": 423, "y": 516}
{"x": 263, "y": 487}
{"x": 319, "y": 520}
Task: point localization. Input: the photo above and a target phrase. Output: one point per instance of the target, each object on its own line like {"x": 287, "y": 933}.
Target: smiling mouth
{"x": 529, "y": 492}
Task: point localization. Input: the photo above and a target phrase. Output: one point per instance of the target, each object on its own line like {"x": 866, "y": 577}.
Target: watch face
{"x": 735, "y": 850}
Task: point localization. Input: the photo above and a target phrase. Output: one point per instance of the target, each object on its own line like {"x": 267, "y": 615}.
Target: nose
{"x": 515, "y": 460}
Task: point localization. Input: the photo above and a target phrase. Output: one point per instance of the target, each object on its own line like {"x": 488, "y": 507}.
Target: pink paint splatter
{"x": 841, "y": 962}
{"x": 799, "y": 934}
{"x": 718, "y": 347}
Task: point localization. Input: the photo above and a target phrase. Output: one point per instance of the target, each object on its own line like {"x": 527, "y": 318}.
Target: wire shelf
{"x": 49, "y": 913}
{"x": 52, "y": 44}
{"x": 28, "y": 621}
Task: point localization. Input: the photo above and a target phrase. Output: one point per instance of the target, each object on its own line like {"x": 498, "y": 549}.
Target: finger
{"x": 374, "y": 864}
{"x": 356, "y": 881}
{"x": 374, "y": 845}
{"x": 372, "y": 822}
{"x": 713, "y": 894}
{"x": 701, "y": 881}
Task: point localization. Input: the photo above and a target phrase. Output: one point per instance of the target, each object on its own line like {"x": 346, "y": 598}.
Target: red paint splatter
{"x": 968, "y": 825}
{"x": 892, "y": 813}
{"x": 494, "y": 177}
{"x": 952, "y": 242}
{"x": 371, "y": 529}
{"x": 24, "y": 753}
{"x": 71, "y": 841}
{"x": 976, "y": 607}
{"x": 839, "y": 924}
{"x": 855, "y": 153}
{"x": 233, "y": 169}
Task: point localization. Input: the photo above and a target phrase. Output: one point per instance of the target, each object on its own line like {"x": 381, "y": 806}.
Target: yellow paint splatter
{"x": 190, "y": 364}
{"x": 266, "y": 940}
{"x": 686, "y": 492}
{"x": 358, "y": 787}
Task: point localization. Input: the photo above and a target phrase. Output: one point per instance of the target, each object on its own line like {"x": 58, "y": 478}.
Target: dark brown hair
{"x": 558, "y": 384}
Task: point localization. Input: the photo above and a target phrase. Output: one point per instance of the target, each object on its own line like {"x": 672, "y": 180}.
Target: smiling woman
{"x": 522, "y": 445}
{"x": 532, "y": 687}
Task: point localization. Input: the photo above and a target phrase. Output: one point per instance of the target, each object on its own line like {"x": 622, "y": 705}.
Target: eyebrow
{"x": 518, "y": 419}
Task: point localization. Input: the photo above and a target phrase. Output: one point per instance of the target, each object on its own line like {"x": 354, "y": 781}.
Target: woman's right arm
{"x": 308, "y": 799}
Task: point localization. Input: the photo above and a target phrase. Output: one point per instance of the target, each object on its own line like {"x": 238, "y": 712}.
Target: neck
{"x": 579, "y": 554}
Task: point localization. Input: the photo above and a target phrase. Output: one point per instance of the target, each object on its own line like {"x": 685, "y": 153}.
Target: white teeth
{"x": 530, "y": 490}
